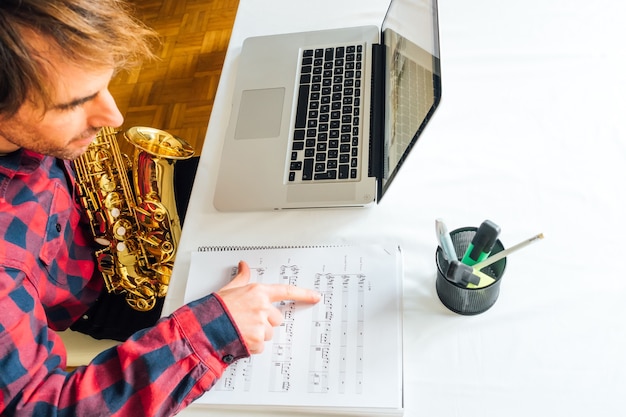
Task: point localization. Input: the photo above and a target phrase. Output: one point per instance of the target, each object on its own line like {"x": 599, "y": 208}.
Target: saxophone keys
{"x": 99, "y": 228}
{"x": 141, "y": 304}
{"x": 106, "y": 264}
{"x": 151, "y": 213}
{"x": 102, "y": 241}
{"x": 106, "y": 184}
{"x": 120, "y": 247}
{"x": 113, "y": 202}
{"x": 120, "y": 228}
{"x": 167, "y": 247}
{"x": 162, "y": 291}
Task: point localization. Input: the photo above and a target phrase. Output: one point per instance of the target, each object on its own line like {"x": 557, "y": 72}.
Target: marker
{"x": 482, "y": 243}
{"x": 462, "y": 274}
{"x": 445, "y": 241}
{"x": 466, "y": 276}
{"x": 484, "y": 280}
{"x": 504, "y": 253}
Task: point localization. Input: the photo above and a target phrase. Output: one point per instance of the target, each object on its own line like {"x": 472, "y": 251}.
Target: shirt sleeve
{"x": 157, "y": 372}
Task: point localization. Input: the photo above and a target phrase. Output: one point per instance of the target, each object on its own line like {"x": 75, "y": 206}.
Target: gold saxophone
{"x": 138, "y": 227}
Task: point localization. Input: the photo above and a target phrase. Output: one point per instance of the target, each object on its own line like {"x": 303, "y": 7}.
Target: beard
{"x": 78, "y": 145}
{"x": 64, "y": 149}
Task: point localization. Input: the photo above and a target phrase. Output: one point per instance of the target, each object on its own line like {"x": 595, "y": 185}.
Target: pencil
{"x": 504, "y": 253}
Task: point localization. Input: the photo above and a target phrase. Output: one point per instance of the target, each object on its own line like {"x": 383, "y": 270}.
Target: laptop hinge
{"x": 377, "y": 117}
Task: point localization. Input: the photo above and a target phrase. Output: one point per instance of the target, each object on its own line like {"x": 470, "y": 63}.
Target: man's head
{"x": 58, "y": 57}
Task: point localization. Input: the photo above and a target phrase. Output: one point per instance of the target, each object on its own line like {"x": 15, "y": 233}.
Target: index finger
{"x": 282, "y": 292}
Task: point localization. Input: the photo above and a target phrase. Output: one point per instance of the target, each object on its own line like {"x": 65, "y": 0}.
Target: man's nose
{"x": 104, "y": 111}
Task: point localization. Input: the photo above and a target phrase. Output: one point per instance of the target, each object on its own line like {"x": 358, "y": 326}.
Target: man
{"x": 58, "y": 57}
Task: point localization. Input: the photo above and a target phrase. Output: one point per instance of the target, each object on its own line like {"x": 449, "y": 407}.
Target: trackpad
{"x": 320, "y": 193}
{"x": 260, "y": 113}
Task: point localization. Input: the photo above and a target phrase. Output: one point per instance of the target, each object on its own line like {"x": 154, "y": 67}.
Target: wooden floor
{"x": 176, "y": 93}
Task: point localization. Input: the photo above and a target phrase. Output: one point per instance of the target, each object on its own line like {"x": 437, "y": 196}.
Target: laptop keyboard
{"x": 326, "y": 137}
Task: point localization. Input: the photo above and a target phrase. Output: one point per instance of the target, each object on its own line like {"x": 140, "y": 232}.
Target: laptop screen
{"x": 411, "y": 37}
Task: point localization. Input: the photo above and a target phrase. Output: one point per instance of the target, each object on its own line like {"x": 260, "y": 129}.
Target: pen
{"x": 504, "y": 253}
{"x": 481, "y": 243}
{"x": 445, "y": 241}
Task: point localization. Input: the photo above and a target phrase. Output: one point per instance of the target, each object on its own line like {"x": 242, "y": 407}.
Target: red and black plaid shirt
{"x": 48, "y": 280}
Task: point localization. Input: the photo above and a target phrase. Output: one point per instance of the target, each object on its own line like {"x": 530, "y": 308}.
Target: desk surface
{"x": 529, "y": 134}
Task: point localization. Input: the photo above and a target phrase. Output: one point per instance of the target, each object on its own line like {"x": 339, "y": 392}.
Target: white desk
{"x": 530, "y": 134}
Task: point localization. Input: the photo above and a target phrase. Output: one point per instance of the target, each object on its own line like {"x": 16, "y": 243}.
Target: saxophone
{"x": 137, "y": 227}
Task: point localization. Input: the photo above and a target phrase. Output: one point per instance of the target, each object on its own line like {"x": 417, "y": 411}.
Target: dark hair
{"x": 91, "y": 33}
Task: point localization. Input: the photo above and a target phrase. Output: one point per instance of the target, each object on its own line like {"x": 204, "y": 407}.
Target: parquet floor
{"x": 176, "y": 93}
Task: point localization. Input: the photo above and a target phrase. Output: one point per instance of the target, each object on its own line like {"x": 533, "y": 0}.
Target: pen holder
{"x": 461, "y": 299}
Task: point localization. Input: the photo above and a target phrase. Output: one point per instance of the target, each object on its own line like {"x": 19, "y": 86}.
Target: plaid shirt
{"x": 48, "y": 279}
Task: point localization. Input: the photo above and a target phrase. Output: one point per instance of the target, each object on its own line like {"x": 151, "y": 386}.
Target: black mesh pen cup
{"x": 462, "y": 299}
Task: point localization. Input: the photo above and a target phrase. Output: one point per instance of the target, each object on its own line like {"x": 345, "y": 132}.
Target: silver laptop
{"x": 326, "y": 118}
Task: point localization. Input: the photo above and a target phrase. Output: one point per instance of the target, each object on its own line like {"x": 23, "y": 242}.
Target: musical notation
{"x": 341, "y": 312}
{"x": 336, "y": 339}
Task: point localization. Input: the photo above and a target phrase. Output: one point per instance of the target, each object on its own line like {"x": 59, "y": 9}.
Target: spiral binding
{"x": 262, "y": 247}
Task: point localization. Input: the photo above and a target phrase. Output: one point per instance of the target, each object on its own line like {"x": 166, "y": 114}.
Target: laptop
{"x": 327, "y": 118}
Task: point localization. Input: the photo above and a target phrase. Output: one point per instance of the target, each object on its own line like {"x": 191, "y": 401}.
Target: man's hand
{"x": 251, "y": 306}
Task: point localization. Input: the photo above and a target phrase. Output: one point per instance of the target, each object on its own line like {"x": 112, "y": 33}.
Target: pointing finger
{"x": 282, "y": 292}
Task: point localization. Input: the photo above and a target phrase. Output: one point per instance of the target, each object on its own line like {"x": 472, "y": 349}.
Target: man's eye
{"x": 76, "y": 104}
{"x": 70, "y": 107}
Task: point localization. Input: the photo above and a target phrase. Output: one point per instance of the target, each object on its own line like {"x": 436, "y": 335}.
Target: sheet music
{"x": 337, "y": 353}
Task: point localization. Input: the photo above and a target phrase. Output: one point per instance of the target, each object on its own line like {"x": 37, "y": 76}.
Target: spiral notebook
{"x": 342, "y": 355}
